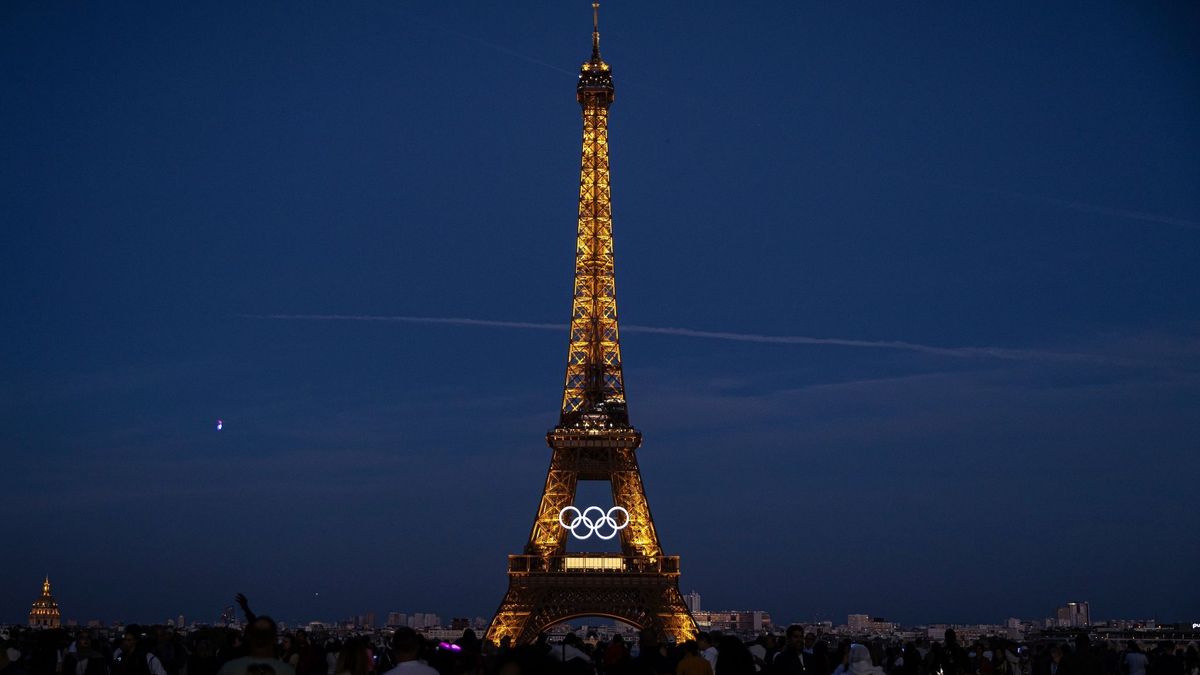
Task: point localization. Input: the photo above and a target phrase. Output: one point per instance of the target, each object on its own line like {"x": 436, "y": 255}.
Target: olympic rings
{"x": 597, "y": 524}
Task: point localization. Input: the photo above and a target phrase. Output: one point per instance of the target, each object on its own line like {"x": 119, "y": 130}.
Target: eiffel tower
{"x": 593, "y": 440}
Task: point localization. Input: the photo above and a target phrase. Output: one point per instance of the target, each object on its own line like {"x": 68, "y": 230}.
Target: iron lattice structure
{"x": 593, "y": 439}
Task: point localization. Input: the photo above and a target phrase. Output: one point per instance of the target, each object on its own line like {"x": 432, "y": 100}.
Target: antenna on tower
{"x": 595, "y": 29}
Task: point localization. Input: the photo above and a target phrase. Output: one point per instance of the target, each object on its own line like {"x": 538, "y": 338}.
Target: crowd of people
{"x": 260, "y": 649}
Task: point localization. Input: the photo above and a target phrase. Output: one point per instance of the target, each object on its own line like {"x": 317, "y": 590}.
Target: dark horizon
{"x": 779, "y": 622}
{"x": 908, "y": 297}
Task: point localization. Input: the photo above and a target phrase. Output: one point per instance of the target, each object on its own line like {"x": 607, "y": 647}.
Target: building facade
{"x": 1074, "y": 615}
{"x": 742, "y": 622}
{"x": 44, "y": 611}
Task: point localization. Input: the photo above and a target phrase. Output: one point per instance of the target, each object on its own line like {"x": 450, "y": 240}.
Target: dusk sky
{"x": 990, "y": 211}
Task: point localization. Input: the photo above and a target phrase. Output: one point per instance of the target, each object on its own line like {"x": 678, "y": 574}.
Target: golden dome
{"x": 44, "y": 611}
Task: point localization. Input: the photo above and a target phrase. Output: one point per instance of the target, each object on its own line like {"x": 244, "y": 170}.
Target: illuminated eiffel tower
{"x": 593, "y": 440}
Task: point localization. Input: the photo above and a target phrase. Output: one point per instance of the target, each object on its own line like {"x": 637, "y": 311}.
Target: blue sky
{"x": 1011, "y": 188}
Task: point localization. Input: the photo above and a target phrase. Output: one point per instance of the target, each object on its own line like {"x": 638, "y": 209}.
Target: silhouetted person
{"x": 909, "y": 662}
{"x": 203, "y": 659}
{"x": 242, "y": 602}
{"x": 169, "y": 649}
{"x": 333, "y": 649}
{"x": 857, "y": 661}
{"x": 10, "y": 657}
{"x": 814, "y": 662}
{"x": 1166, "y": 661}
{"x": 86, "y": 659}
{"x": 1006, "y": 660}
{"x": 354, "y": 658}
{"x": 406, "y": 652}
{"x": 45, "y": 656}
{"x": 261, "y": 635}
{"x": 708, "y": 650}
{"x": 233, "y": 647}
{"x": 652, "y": 656}
{"x": 692, "y": 663}
{"x": 733, "y": 658}
{"x": 1191, "y": 660}
{"x": 308, "y": 659}
{"x": 952, "y": 659}
{"x": 615, "y": 658}
{"x": 134, "y": 656}
{"x": 1084, "y": 660}
{"x": 1135, "y": 661}
{"x": 758, "y": 650}
{"x": 1056, "y": 660}
{"x": 790, "y": 660}
{"x": 570, "y": 649}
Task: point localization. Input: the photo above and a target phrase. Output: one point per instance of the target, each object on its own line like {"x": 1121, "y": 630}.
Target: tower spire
{"x": 595, "y": 30}
{"x": 594, "y": 392}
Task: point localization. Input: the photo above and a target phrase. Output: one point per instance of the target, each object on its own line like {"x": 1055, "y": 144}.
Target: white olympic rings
{"x": 599, "y": 523}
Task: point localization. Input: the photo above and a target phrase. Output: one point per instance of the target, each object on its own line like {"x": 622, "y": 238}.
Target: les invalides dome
{"x": 44, "y": 612}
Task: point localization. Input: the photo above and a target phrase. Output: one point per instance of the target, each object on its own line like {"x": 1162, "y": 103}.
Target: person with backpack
{"x": 136, "y": 656}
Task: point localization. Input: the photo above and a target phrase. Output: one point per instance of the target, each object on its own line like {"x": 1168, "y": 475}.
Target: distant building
{"x": 1074, "y": 615}
{"x": 743, "y": 622}
{"x": 881, "y": 626}
{"x": 417, "y": 620}
{"x": 692, "y": 600}
{"x": 865, "y": 624}
{"x": 460, "y": 623}
{"x": 44, "y": 611}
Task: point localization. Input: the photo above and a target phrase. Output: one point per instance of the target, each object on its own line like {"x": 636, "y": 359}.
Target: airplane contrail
{"x": 1118, "y": 213}
{"x": 1074, "y": 205}
{"x": 959, "y": 352}
{"x": 485, "y": 43}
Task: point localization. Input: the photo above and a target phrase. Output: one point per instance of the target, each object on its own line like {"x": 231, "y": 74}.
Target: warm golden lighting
{"x": 578, "y": 562}
{"x": 43, "y": 613}
{"x": 594, "y": 378}
{"x": 593, "y": 439}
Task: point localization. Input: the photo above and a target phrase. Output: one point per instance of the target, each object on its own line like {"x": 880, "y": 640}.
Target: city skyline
{"x": 45, "y": 613}
{"x": 912, "y": 297}
{"x": 1071, "y": 614}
